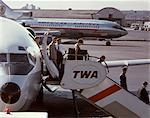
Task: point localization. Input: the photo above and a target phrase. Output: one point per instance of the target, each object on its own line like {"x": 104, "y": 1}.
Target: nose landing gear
{"x": 108, "y": 43}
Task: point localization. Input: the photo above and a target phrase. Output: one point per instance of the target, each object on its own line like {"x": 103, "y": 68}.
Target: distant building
{"x": 70, "y": 13}
{"x": 136, "y": 17}
{"x": 111, "y": 14}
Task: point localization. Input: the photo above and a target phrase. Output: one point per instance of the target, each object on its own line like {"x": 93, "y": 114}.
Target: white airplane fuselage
{"x": 77, "y": 28}
{"x": 20, "y": 66}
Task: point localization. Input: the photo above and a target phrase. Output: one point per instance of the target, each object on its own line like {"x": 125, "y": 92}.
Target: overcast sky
{"x": 82, "y": 4}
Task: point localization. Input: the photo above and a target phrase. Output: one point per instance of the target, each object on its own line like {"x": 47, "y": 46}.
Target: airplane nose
{"x": 10, "y": 93}
{"x": 125, "y": 33}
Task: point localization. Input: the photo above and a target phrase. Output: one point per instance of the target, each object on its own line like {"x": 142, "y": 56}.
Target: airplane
{"x": 5, "y": 11}
{"x": 72, "y": 28}
{"x": 20, "y": 68}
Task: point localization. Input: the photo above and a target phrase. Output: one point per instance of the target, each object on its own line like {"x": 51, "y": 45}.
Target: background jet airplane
{"x": 70, "y": 28}
{"x": 77, "y": 28}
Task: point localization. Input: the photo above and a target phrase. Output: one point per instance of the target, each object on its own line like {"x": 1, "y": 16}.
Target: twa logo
{"x": 85, "y": 74}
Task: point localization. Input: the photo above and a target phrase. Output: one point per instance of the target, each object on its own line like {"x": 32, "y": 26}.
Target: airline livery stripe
{"x": 105, "y": 93}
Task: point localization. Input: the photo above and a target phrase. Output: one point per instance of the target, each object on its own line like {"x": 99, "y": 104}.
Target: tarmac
{"x": 135, "y": 45}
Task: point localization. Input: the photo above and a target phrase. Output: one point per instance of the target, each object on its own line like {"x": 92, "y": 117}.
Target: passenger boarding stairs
{"x": 116, "y": 100}
{"x": 89, "y": 80}
{"x": 101, "y": 90}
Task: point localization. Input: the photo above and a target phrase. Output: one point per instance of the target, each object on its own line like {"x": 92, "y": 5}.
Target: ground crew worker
{"x": 123, "y": 82}
{"x": 143, "y": 94}
{"x": 101, "y": 59}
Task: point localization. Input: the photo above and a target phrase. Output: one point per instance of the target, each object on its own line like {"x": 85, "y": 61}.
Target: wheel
{"x": 108, "y": 43}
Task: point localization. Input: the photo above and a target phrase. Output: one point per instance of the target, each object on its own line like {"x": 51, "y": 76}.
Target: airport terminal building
{"x": 103, "y": 14}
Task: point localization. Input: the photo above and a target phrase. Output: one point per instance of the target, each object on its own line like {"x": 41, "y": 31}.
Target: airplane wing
{"x": 120, "y": 63}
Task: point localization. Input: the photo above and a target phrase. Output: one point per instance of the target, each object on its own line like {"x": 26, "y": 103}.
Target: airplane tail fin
{"x": 6, "y": 11}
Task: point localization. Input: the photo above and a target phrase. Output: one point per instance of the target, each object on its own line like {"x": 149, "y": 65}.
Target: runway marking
{"x": 114, "y": 88}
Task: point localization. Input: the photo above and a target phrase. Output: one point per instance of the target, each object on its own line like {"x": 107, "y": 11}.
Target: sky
{"x": 82, "y": 4}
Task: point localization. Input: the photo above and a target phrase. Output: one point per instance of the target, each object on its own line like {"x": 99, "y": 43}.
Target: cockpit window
{"x": 18, "y": 58}
{"x": 118, "y": 27}
{"x": 19, "y": 64}
{"x": 3, "y": 57}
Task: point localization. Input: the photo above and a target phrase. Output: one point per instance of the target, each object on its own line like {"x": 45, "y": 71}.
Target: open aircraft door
{"x": 49, "y": 63}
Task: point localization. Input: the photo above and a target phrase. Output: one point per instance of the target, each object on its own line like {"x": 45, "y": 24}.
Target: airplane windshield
{"x": 18, "y": 58}
{"x": 16, "y": 64}
{"x": 3, "y": 57}
{"x": 19, "y": 64}
{"x": 118, "y": 27}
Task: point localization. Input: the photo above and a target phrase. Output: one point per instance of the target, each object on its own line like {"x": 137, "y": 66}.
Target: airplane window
{"x": 19, "y": 64}
{"x": 3, "y": 57}
{"x": 18, "y": 58}
{"x": 19, "y": 68}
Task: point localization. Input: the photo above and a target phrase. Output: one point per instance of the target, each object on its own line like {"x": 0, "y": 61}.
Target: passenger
{"x": 101, "y": 59}
{"x": 60, "y": 53}
{"x": 77, "y": 48}
{"x": 60, "y": 47}
{"x": 143, "y": 94}
{"x": 53, "y": 50}
{"x": 123, "y": 82}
